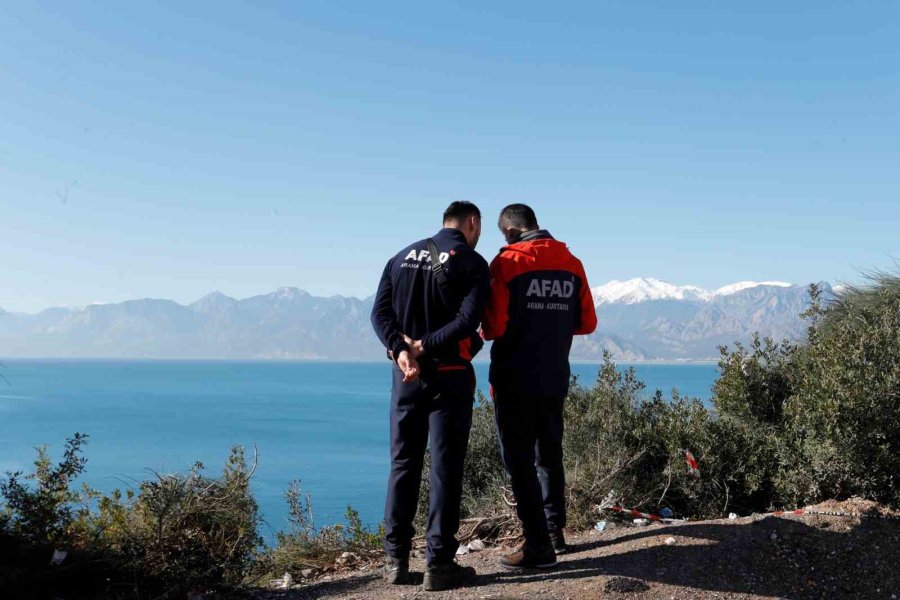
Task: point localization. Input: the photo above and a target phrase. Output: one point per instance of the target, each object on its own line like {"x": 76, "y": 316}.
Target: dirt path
{"x": 751, "y": 557}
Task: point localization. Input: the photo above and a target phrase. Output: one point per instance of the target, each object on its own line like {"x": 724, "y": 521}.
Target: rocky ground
{"x": 761, "y": 556}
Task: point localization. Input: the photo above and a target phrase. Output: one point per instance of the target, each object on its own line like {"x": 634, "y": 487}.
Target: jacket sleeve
{"x": 384, "y": 319}
{"x": 470, "y": 311}
{"x": 496, "y": 315}
{"x": 588, "y": 321}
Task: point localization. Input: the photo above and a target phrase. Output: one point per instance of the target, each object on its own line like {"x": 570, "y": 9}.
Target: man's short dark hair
{"x": 519, "y": 216}
{"x": 460, "y": 211}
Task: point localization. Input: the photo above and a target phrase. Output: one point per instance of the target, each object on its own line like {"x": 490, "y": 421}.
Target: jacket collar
{"x": 450, "y": 232}
{"x": 537, "y": 234}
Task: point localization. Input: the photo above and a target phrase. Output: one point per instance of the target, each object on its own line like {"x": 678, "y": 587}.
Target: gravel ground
{"x": 761, "y": 556}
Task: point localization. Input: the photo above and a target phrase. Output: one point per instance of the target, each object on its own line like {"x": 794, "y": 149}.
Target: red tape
{"x": 693, "y": 465}
{"x": 640, "y": 515}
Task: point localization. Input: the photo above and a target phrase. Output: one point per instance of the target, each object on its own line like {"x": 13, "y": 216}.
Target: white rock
{"x": 306, "y": 572}
{"x": 476, "y": 545}
{"x": 670, "y": 541}
{"x": 462, "y": 550}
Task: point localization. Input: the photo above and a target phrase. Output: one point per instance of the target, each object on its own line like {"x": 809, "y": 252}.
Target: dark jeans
{"x": 439, "y": 404}
{"x": 531, "y": 433}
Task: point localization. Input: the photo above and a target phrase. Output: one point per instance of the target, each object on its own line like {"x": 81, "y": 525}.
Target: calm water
{"x": 323, "y": 423}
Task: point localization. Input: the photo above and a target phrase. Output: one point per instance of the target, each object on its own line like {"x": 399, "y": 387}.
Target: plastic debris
{"x": 58, "y": 557}
{"x": 283, "y": 582}
{"x": 666, "y": 513}
{"x": 600, "y": 526}
{"x": 670, "y": 541}
{"x": 641, "y": 522}
{"x": 476, "y": 545}
{"x": 732, "y": 516}
{"x": 462, "y": 550}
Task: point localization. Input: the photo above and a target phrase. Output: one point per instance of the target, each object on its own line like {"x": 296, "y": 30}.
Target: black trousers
{"x": 531, "y": 432}
{"x": 438, "y": 405}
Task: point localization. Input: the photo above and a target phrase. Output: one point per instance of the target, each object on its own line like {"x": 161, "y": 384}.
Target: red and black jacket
{"x": 539, "y": 300}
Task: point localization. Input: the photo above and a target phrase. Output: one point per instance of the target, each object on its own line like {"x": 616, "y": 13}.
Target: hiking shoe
{"x": 396, "y": 570}
{"x": 558, "y": 541}
{"x": 526, "y": 558}
{"x": 446, "y": 576}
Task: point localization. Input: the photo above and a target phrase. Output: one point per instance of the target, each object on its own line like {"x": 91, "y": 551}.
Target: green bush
{"x": 617, "y": 439}
{"x": 305, "y": 546}
{"x": 41, "y": 512}
{"x": 829, "y": 407}
{"x": 187, "y": 530}
{"x": 844, "y": 415}
{"x": 45, "y": 514}
{"x": 754, "y": 383}
{"x": 175, "y": 533}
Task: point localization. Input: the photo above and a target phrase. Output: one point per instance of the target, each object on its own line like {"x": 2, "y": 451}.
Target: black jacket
{"x": 410, "y": 300}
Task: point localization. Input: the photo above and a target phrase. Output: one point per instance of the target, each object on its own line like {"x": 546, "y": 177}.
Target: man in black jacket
{"x": 427, "y": 310}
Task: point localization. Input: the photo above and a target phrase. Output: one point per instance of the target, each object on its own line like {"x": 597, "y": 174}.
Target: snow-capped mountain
{"x": 745, "y": 285}
{"x": 643, "y": 289}
{"x": 663, "y": 321}
{"x": 640, "y": 319}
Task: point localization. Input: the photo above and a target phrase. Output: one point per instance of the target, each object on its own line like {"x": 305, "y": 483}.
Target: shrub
{"x": 177, "y": 532}
{"x": 828, "y": 408}
{"x": 754, "y": 383}
{"x": 187, "y": 530}
{"x": 45, "y": 514}
{"x": 304, "y": 546}
{"x": 843, "y": 418}
{"x": 616, "y": 439}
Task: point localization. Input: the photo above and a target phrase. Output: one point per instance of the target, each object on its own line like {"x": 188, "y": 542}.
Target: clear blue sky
{"x": 171, "y": 149}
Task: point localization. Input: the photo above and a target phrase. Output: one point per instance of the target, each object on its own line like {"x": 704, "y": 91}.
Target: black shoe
{"x": 396, "y": 570}
{"x": 446, "y": 576}
{"x": 526, "y": 558}
{"x": 558, "y": 540}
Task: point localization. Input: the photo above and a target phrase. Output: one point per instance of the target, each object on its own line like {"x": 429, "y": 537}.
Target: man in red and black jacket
{"x": 429, "y": 303}
{"x": 539, "y": 300}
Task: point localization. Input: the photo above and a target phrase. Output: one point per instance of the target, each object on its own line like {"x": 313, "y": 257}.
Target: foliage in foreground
{"x": 304, "y": 546}
{"x": 172, "y": 534}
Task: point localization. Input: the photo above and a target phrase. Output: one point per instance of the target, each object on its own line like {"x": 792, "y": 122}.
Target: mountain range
{"x": 640, "y": 319}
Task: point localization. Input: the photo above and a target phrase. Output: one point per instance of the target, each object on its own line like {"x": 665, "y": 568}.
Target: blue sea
{"x": 325, "y": 424}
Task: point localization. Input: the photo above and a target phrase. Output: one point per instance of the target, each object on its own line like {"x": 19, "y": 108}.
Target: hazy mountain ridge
{"x": 640, "y": 320}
